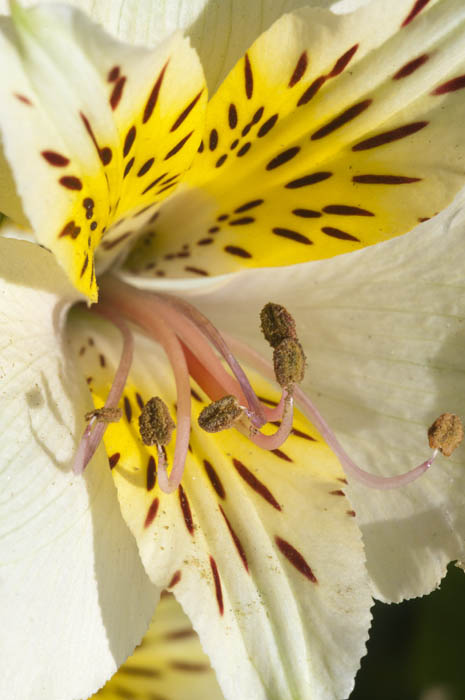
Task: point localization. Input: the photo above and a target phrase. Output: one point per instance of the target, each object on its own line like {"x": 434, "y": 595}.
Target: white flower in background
{"x": 332, "y": 133}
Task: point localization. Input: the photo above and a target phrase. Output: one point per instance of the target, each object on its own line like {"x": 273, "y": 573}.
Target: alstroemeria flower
{"x": 349, "y": 131}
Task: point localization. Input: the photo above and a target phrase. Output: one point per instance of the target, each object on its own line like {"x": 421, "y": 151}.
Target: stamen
{"x": 220, "y": 415}
{"x": 446, "y": 433}
{"x": 155, "y": 422}
{"x": 127, "y": 300}
{"x": 352, "y": 470}
{"x": 208, "y": 329}
{"x": 105, "y": 415}
{"x": 289, "y": 363}
{"x": 277, "y": 324}
{"x": 278, "y": 438}
{"x": 95, "y": 429}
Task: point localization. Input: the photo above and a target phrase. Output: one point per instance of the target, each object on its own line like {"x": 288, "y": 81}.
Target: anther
{"x": 105, "y": 414}
{"x": 155, "y": 423}
{"x": 446, "y": 433}
{"x": 289, "y": 363}
{"x": 277, "y": 324}
{"x": 220, "y": 415}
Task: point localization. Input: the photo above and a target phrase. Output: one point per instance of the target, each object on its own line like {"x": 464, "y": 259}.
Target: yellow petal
{"x": 96, "y": 132}
{"x": 331, "y": 133}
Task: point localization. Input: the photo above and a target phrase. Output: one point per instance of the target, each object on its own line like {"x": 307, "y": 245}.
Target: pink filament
{"x": 278, "y": 438}
{"x": 94, "y": 431}
{"x": 352, "y": 470}
{"x": 162, "y": 333}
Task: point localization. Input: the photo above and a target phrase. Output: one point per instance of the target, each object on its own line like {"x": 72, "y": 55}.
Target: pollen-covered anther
{"x": 220, "y": 415}
{"x": 446, "y": 433}
{"x": 277, "y": 324}
{"x": 289, "y": 363}
{"x": 155, "y": 422}
{"x": 104, "y": 415}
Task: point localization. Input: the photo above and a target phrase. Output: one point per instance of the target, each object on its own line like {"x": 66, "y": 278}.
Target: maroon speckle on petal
{"x": 256, "y": 484}
{"x": 248, "y": 77}
{"x": 70, "y": 229}
{"x": 417, "y": 7}
{"x": 452, "y": 85}
{"x": 55, "y": 159}
{"x": 151, "y": 513}
{"x": 22, "y": 98}
{"x": 185, "y": 113}
{"x": 311, "y": 91}
{"x": 410, "y": 67}
{"x": 296, "y": 559}
{"x": 117, "y": 92}
{"x": 178, "y": 146}
{"x": 113, "y": 74}
{"x": 217, "y": 580}
{"x": 341, "y": 119}
{"x": 175, "y": 579}
{"x": 151, "y": 473}
{"x": 114, "y": 459}
{"x": 343, "y": 61}
{"x": 373, "y": 179}
{"x": 236, "y": 540}
{"x": 153, "y": 97}
{"x": 71, "y": 182}
{"x": 186, "y": 510}
{"x": 299, "y": 70}
{"x": 214, "y": 479}
{"x": 129, "y": 140}
{"x": 389, "y": 136}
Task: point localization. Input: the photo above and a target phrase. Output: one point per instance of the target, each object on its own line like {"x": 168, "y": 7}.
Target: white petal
{"x": 261, "y": 548}
{"x": 383, "y": 330}
{"x": 74, "y": 597}
{"x": 220, "y": 31}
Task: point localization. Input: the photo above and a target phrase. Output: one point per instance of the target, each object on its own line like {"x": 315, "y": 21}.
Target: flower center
{"x": 190, "y": 340}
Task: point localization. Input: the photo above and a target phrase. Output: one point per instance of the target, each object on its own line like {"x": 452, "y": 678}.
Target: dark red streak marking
{"x": 214, "y": 479}
{"x": 236, "y": 540}
{"x": 236, "y": 250}
{"x": 296, "y": 559}
{"x": 127, "y": 409}
{"x": 248, "y": 77}
{"x": 343, "y": 61}
{"x": 22, "y": 98}
{"x": 337, "y": 492}
{"x": 185, "y": 113}
{"x": 71, "y": 182}
{"x": 108, "y": 245}
{"x": 129, "y": 140}
{"x": 311, "y": 91}
{"x": 410, "y": 67}
{"x": 292, "y": 235}
{"x": 117, "y": 92}
{"x": 218, "y": 591}
{"x": 267, "y": 126}
{"x": 55, "y": 159}
{"x": 389, "y": 136}
{"x": 153, "y": 97}
{"x": 341, "y": 119}
{"x": 418, "y": 6}
{"x": 113, "y": 74}
{"x": 186, "y": 510}
{"x": 384, "y": 179}
{"x": 151, "y": 473}
{"x": 344, "y": 210}
{"x": 311, "y": 179}
{"x": 255, "y": 484}
{"x": 70, "y": 229}
{"x": 84, "y": 267}
{"x": 299, "y": 70}
{"x": 282, "y": 455}
{"x": 457, "y": 83}
{"x": 178, "y": 146}
{"x": 248, "y": 205}
{"x": 232, "y": 116}
{"x": 176, "y": 578}
{"x": 113, "y": 460}
{"x": 151, "y": 513}
{"x": 337, "y": 233}
{"x": 282, "y": 158}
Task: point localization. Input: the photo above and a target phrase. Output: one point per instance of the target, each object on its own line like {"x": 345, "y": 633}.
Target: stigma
{"x": 196, "y": 349}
